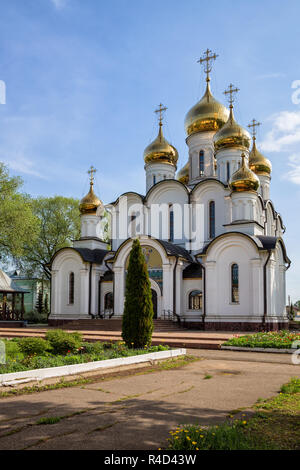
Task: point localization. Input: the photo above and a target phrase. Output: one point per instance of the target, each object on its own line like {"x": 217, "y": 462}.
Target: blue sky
{"x": 84, "y": 76}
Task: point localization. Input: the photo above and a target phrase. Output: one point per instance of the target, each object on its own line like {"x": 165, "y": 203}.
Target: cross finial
{"x": 161, "y": 109}
{"x": 230, "y": 92}
{"x": 254, "y": 124}
{"x": 207, "y": 58}
{"x": 91, "y": 172}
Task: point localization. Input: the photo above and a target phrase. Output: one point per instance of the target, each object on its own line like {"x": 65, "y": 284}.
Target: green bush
{"x": 62, "y": 342}
{"x": 30, "y": 346}
{"x": 92, "y": 348}
{"x": 137, "y": 324}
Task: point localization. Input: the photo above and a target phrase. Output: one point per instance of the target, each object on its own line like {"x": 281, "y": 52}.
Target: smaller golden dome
{"x": 244, "y": 179}
{"x": 232, "y": 135}
{"x": 258, "y": 162}
{"x": 90, "y": 203}
{"x": 207, "y": 115}
{"x": 160, "y": 151}
{"x": 183, "y": 175}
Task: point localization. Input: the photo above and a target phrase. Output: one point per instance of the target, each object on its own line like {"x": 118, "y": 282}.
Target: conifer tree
{"x": 137, "y": 326}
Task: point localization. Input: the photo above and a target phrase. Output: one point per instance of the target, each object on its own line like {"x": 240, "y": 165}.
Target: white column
{"x": 211, "y": 287}
{"x": 119, "y": 290}
{"x": 55, "y": 293}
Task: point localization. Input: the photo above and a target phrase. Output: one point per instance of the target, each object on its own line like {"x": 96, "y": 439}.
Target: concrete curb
{"x": 264, "y": 350}
{"x": 40, "y": 374}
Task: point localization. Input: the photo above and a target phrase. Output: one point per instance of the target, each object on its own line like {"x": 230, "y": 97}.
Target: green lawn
{"x": 275, "y": 425}
{"x": 271, "y": 339}
{"x": 63, "y": 349}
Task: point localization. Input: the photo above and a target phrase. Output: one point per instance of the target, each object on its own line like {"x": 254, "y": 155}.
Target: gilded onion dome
{"x": 183, "y": 174}
{"x": 207, "y": 115}
{"x": 160, "y": 151}
{"x": 244, "y": 179}
{"x": 232, "y": 135}
{"x": 258, "y": 162}
{"x": 90, "y": 203}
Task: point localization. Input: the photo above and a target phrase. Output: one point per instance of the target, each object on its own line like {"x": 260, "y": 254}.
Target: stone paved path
{"x": 138, "y": 411}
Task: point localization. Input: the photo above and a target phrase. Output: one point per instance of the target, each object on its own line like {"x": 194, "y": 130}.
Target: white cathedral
{"x": 215, "y": 254}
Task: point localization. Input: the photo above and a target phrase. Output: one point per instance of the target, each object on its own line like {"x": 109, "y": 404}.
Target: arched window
{"x": 195, "y": 300}
{"x": 71, "y": 288}
{"x": 212, "y": 220}
{"x": 201, "y": 163}
{"x": 234, "y": 283}
{"x": 154, "y": 179}
{"x": 227, "y": 171}
{"x": 171, "y": 223}
{"x": 109, "y": 301}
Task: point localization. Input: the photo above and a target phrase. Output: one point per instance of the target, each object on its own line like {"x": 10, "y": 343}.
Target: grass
{"x": 271, "y": 339}
{"x": 50, "y": 420}
{"x": 275, "y": 425}
{"x": 17, "y": 360}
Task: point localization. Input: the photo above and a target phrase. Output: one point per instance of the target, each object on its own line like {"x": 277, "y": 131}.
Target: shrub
{"x": 137, "y": 326}
{"x": 30, "y": 346}
{"x": 93, "y": 348}
{"x": 62, "y": 342}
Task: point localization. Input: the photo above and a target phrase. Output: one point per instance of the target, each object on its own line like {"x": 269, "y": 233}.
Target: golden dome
{"x": 207, "y": 115}
{"x": 232, "y": 135}
{"x": 244, "y": 179}
{"x": 258, "y": 163}
{"x": 183, "y": 174}
{"x": 160, "y": 151}
{"x": 90, "y": 203}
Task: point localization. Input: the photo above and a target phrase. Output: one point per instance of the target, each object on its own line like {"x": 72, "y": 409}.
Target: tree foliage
{"x": 58, "y": 224}
{"x": 18, "y": 224}
{"x": 137, "y": 326}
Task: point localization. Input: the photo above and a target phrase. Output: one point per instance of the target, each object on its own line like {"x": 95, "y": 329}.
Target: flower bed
{"x": 270, "y": 339}
{"x": 61, "y": 349}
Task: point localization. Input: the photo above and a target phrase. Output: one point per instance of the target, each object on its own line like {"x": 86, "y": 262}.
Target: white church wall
{"x": 211, "y": 191}
{"x": 65, "y": 263}
{"x": 222, "y": 255}
{"x": 276, "y": 286}
{"x": 160, "y": 197}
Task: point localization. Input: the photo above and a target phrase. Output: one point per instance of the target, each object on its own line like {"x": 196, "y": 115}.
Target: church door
{"x": 154, "y": 302}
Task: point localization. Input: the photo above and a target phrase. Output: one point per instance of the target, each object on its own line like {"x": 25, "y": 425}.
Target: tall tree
{"x": 58, "y": 224}
{"x": 137, "y": 325}
{"x": 18, "y": 224}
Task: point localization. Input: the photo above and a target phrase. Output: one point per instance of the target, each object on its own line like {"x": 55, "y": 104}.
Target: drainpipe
{"x": 90, "y": 290}
{"x": 265, "y": 290}
{"x": 174, "y": 286}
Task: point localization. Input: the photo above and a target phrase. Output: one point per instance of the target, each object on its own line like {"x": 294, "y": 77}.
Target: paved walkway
{"x": 138, "y": 411}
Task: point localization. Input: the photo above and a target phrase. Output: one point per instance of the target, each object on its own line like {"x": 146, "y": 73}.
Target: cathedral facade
{"x": 212, "y": 239}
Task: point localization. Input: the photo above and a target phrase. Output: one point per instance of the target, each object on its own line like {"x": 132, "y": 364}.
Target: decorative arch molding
{"x": 138, "y": 196}
{"x": 255, "y": 242}
{"x": 66, "y": 254}
{"x": 164, "y": 186}
{"x": 124, "y": 250}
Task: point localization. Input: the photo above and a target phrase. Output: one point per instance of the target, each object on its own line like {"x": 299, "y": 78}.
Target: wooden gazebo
{"x": 11, "y": 299}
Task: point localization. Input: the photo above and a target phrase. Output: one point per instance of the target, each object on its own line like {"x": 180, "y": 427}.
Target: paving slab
{"x": 138, "y": 411}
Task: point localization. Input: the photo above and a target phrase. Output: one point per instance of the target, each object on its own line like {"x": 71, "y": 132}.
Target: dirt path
{"x": 138, "y": 411}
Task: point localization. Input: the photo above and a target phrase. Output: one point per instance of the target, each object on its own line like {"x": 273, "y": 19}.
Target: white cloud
{"x": 59, "y": 4}
{"x": 294, "y": 174}
{"x": 285, "y": 131}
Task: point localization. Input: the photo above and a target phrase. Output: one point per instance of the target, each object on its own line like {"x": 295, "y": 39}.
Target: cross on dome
{"x": 230, "y": 92}
{"x": 91, "y": 172}
{"x": 161, "y": 109}
{"x": 207, "y": 58}
{"x": 254, "y": 124}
